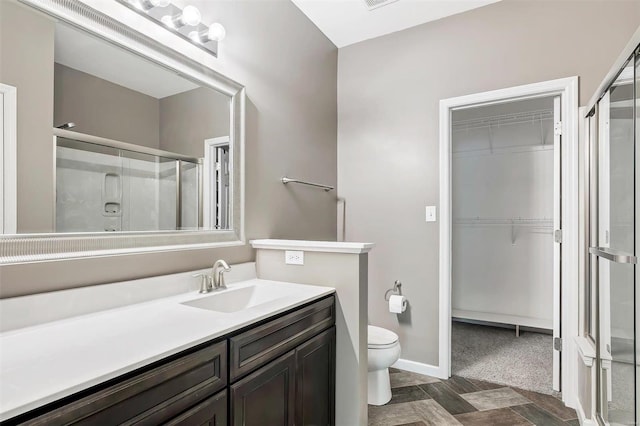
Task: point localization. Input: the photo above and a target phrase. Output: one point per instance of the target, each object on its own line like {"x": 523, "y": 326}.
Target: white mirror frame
{"x": 23, "y": 248}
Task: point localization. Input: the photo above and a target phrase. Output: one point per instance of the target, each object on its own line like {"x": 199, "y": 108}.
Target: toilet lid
{"x": 381, "y": 337}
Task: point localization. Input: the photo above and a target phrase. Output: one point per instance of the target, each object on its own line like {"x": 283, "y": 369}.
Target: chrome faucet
{"x": 217, "y": 272}
{"x": 215, "y": 280}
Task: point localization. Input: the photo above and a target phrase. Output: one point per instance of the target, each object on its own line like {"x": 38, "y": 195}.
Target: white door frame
{"x": 567, "y": 88}
{"x": 210, "y": 145}
{"x": 8, "y": 160}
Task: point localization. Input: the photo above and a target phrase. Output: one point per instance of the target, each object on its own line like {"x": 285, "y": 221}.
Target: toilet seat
{"x": 381, "y": 338}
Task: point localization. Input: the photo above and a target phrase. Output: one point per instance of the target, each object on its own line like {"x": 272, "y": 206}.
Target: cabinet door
{"x": 315, "y": 380}
{"x": 266, "y": 397}
{"x": 210, "y": 412}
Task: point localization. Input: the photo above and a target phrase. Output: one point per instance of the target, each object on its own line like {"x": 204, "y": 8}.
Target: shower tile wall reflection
{"x": 102, "y": 189}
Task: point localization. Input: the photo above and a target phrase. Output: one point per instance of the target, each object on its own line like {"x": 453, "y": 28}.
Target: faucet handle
{"x": 206, "y": 282}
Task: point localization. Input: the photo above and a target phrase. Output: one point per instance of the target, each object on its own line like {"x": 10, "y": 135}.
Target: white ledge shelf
{"x": 324, "y": 246}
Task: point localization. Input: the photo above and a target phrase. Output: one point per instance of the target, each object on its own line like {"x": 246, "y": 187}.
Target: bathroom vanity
{"x": 268, "y": 357}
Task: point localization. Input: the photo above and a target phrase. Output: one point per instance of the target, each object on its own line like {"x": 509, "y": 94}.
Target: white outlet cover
{"x": 430, "y": 213}
{"x": 294, "y": 257}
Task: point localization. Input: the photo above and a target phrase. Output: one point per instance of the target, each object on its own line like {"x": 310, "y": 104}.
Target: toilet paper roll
{"x": 397, "y": 304}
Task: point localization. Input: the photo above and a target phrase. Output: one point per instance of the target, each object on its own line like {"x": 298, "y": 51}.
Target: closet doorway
{"x": 508, "y": 255}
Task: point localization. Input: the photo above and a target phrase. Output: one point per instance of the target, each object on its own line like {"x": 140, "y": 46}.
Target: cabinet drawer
{"x": 159, "y": 394}
{"x": 255, "y": 347}
{"x": 212, "y": 412}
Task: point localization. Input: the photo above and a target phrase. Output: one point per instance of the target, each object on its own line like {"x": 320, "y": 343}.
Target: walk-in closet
{"x": 505, "y": 168}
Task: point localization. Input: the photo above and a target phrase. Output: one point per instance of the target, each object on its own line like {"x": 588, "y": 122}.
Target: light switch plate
{"x": 430, "y": 213}
{"x": 294, "y": 257}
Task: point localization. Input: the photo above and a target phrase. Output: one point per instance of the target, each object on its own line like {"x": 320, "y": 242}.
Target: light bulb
{"x": 190, "y": 16}
{"x": 195, "y": 37}
{"x": 168, "y": 21}
{"x": 216, "y": 32}
{"x": 160, "y": 3}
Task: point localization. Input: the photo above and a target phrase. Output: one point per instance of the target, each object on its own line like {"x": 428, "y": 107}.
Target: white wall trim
{"x": 581, "y": 417}
{"x": 418, "y": 367}
{"x": 567, "y": 88}
{"x": 8, "y": 161}
{"x": 586, "y": 350}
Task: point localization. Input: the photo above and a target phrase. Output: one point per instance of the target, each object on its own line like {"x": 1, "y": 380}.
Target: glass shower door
{"x": 613, "y": 251}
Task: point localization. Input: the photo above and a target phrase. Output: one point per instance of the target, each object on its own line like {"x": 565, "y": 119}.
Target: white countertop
{"x": 307, "y": 245}
{"x": 45, "y": 362}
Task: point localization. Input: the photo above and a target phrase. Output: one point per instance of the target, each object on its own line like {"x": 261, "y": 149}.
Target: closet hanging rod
{"x": 286, "y": 180}
{"x": 502, "y": 221}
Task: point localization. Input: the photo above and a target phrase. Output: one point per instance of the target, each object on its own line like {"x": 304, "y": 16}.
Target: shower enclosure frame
{"x": 567, "y": 89}
{"x": 137, "y": 149}
{"x": 597, "y": 143}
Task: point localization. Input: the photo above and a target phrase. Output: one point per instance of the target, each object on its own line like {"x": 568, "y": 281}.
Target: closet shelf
{"x": 503, "y": 120}
{"x": 492, "y": 221}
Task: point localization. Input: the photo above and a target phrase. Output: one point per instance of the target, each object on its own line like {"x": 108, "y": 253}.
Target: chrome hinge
{"x": 557, "y": 236}
{"x": 557, "y": 128}
{"x": 557, "y": 344}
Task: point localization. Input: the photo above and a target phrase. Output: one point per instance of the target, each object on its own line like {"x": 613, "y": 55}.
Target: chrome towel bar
{"x": 287, "y": 180}
{"x": 612, "y": 255}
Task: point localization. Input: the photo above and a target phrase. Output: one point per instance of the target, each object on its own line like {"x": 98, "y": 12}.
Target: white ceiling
{"x": 83, "y": 52}
{"x": 346, "y": 22}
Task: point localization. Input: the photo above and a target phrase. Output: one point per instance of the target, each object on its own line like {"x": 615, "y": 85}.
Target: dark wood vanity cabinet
{"x": 295, "y": 384}
{"x": 295, "y": 389}
{"x": 267, "y": 396}
{"x": 279, "y": 372}
{"x": 315, "y": 380}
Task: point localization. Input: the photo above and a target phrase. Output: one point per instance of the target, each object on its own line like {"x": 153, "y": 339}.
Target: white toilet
{"x": 384, "y": 350}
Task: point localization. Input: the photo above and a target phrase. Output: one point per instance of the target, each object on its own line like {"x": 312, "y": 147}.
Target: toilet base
{"x": 379, "y": 387}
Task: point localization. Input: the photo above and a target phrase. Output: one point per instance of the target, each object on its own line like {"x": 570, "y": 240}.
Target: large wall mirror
{"x": 118, "y": 142}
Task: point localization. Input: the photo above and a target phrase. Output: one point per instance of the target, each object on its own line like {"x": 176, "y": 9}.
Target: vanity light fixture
{"x": 150, "y": 4}
{"x": 216, "y": 32}
{"x": 184, "y": 22}
{"x": 190, "y": 16}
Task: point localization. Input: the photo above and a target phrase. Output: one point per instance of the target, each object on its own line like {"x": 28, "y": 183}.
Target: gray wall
{"x": 388, "y": 94}
{"x": 188, "y": 118}
{"x": 349, "y": 278}
{"x": 102, "y": 108}
{"x": 27, "y": 64}
{"x": 289, "y": 69}
{"x": 178, "y": 123}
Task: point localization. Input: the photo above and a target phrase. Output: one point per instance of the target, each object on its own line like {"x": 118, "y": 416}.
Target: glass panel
{"x": 88, "y": 187}
{"x": 591, "y": 285}
{"x": 616, "y": 282}
{"x": 617, "y": 356}
{"x": 149, "y": 194}
{"x": 190, "y": 205}
{"x": 637, "y": 209}
{"x": 100, "y": 188}
{"x": 621, "y": 166}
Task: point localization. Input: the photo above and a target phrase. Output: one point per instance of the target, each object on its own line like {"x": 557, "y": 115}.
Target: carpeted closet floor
{"x": 496, "y": 355}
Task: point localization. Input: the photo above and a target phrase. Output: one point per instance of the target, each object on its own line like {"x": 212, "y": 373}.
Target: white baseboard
{"x": 420, "y": 368}
{"x": 581, "y": 416}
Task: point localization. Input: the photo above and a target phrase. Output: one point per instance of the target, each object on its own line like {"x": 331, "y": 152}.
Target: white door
{"x": 1, "y": 162}
{"x": 557, "y": 252}
{"x": 8, "y": 138}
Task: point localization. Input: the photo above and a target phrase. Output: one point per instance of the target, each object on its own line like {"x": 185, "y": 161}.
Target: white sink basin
{"x": 234, "y": 300}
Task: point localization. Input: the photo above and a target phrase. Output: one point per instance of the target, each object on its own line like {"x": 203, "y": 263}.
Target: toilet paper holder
{"x": 397, "y": 290}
